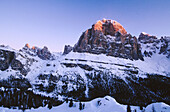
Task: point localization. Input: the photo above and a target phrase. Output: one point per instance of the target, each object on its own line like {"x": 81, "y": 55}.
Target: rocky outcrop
{"x": 43, "y": 53}
{"x": 67, "y": 49}
{"x": 6, "y": 58}
{"x": 108, "y": 27}
{"x": 153, "y": 45}
{"x": 17, "y": 65}
{"x": 110, "y": 38}
{"x": 165, "y": 46}
{"x": 146, "y": 38}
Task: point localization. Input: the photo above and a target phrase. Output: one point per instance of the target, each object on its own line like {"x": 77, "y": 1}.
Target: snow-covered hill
{"x": 106, "y": 104}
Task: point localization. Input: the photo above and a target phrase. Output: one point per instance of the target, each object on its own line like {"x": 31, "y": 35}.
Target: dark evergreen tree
{"x": 30, "y": 104}
{"x": 80, "y": 106}
{"x": 83, "y": 105}
{"x": 141, "y": 108}
{"x": 71, "y": 103}
{"x": 1, "y": 98}
{"x": 66, "y": 100}
{"x": 15, "y": 97}
{"x": 128, "y": 108}
{"x": 49, "y": 105}
{"x": 11, "y": 99}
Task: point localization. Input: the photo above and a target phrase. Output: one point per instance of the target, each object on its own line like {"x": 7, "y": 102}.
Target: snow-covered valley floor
{"x": 106, "y": 104}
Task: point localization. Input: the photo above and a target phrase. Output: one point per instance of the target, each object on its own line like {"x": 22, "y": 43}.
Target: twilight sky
{"x": 54, "y": 23}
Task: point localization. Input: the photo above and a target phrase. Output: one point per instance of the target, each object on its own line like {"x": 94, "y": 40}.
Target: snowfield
{"x": 156, "y": 64}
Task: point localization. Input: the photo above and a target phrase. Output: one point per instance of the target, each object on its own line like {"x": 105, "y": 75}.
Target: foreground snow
{"x": 106, "y": 104}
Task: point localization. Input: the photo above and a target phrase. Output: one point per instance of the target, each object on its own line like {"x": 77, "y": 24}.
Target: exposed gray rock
{"x": 165, "y": 46}
{"x": 41, "y": 53}
{"x": 17, "y": 65}
{"x": 67, "y": 49}
{"x": 6, "y": 58}
{"x": 153, "y": 44}
{"x": 146, "y": 38}
{"x": 44, "y": 53}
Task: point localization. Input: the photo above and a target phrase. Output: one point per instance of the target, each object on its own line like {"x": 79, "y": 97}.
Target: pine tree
{"x": 80, "y": 106}
{"x": 66, "y": 100}
{"x": 83, "y": 105}
{"x": 141, "y": 108}
{"x": 71, "y": 103}
{"x": 128, "y": 109}
{"x": 49, "y": 105}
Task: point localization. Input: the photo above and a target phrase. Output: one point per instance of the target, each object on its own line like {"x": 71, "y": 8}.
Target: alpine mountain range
{"x": 107, "y": 61}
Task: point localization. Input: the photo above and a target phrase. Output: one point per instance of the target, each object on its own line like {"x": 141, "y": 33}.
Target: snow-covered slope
{"x": 106, "y": 104}
{"x": 82, "y": 73}
{"x": 157, "y": 64}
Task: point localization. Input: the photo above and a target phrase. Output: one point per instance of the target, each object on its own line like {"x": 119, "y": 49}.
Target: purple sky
{"x": 54, "y": 23}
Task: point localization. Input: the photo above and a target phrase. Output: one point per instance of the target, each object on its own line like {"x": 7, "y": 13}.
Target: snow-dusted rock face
{"x": 165, "y": 46}
{"x": 152, "y": 45}
{"x": 6, "y": 58}
{"x": 67, "y": 49}
{"x": 146, "y": 38}
{"x": 43, "y": 53}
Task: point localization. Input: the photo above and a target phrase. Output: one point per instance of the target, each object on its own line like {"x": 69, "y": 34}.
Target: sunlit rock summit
{"x": 110, "y": 38}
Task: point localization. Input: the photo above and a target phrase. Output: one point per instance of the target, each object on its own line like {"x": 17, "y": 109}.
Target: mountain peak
{"x": 146, "y": 38}
{"x": 27, "y": 45}
{"x": 109, "y": 27}
{"x": 110, "y": 38}
{"x": 42, "y": 53}
{"x": 144, "y": 33}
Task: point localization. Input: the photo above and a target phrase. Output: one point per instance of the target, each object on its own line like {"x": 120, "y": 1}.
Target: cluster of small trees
{"x": 141, "y": 108}
{"x": 25, "y": 99}
{"x": 81, "y": 106}
{"x": 20, "y": 98}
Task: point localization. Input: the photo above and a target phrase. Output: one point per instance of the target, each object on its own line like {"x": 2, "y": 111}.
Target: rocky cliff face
{"x": 110, "y": 38}
{"x": 43, "y": 53}
{"x": 6, "y": 58}
{"x": 67, "y": 49}
{"x": 151, "y": 45}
